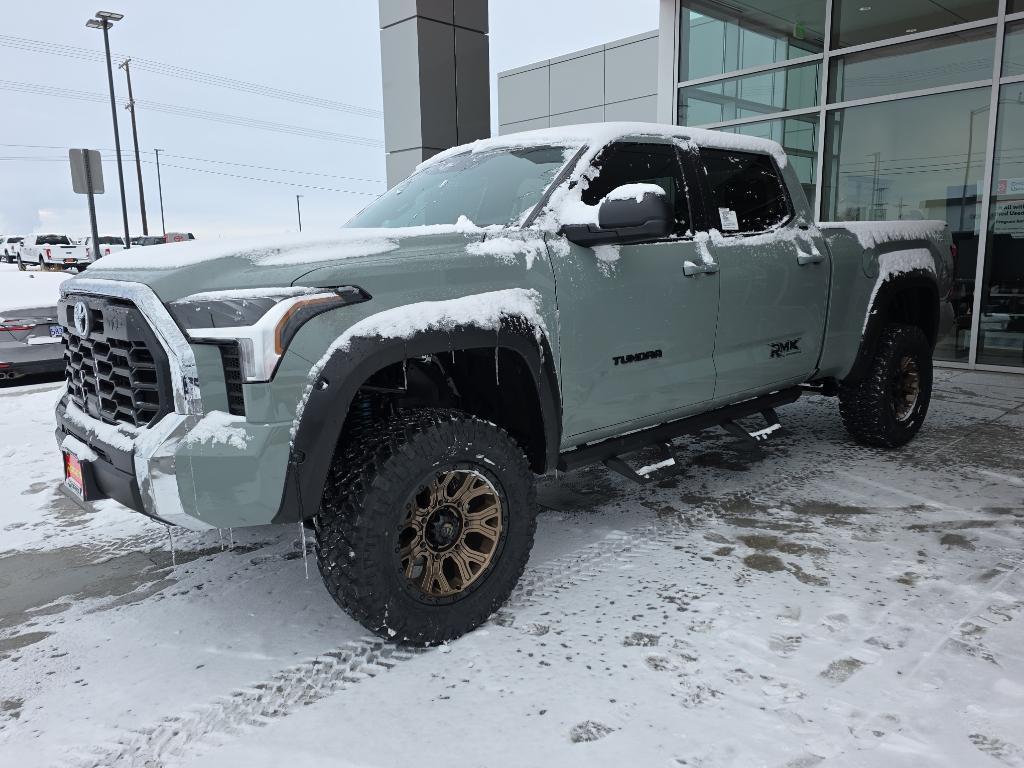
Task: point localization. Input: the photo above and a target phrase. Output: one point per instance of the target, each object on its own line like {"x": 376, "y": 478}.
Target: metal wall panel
{"x": 577, "y": 83}
{"x": 631, "y": 71}
{"x": 524, "y": 95}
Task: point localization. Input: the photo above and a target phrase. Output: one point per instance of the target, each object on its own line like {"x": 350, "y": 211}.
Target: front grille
{"x": 118, "y": 373}
{"x": 231, "y": 358}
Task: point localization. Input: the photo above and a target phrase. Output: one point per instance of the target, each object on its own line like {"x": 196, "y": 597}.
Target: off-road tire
{"x": 21, "y": 265}
{"x": 374, "y": 475}
{"x": 869, "y": 407}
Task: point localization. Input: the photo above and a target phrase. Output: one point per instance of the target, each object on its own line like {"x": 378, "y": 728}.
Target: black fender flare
{"x": 336, "y": 383}
{"x": 881, "y": 311}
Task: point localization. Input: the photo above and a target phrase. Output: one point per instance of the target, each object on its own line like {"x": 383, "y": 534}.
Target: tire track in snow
{"x": 175, "y": 738}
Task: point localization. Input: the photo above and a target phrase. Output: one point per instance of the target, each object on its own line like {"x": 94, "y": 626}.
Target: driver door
{"x": 637, "y": 332}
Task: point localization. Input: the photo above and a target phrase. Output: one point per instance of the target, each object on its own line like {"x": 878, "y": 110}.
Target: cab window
{"x": 747, "y": 193}
{"x": 637, "y": 163}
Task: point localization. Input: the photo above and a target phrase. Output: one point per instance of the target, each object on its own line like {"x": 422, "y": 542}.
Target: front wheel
{"x": 426, "y": 524}
{"x": 887, "y": 407}
{"x": 21, "y": 264}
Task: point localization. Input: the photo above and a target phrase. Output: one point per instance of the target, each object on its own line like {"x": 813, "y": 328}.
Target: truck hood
{"x": 180, "y": 269}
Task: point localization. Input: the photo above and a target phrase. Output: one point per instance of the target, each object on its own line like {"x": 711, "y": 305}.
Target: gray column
{"x": 436, "y": 70}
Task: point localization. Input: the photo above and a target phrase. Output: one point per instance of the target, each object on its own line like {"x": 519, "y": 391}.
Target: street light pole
{"x": 160, "y": 188}
{"x": 135, "y": 138}
{"x": 298, "y": 207}
{"x": 104, "y": 20}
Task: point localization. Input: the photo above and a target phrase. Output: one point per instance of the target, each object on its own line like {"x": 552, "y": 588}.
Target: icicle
{"x": 220, "y": 537}
{"x": 305, "y": 563}
{"x": 231, "y": 538}
{"x": 170, "y": 537}
{"x": 497, "y": 378}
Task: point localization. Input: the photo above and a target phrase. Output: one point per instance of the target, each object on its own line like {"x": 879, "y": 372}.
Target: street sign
{"x": 87, "y": 179}
{"x": 86, "y": 166}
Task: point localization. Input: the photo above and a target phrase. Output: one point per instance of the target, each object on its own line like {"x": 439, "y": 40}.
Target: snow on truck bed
{"x": 29, "y": 290}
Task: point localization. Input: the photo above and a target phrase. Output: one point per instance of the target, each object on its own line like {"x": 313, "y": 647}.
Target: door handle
{"x": 809, "y": 258}
{"x": 691, "y": 269}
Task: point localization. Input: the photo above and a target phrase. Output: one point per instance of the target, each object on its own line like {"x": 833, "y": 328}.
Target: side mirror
{"x": 632, "y": 213}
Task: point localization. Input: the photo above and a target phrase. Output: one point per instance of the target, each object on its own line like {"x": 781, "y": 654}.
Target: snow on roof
{"x": 29, "y": 290}
{"x": 597, "y": 135}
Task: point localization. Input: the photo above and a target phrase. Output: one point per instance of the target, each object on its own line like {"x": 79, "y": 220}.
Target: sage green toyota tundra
{"x": 518, "y": 306}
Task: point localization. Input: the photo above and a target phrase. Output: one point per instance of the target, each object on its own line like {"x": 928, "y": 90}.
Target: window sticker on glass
{"x": 730, "y": 222}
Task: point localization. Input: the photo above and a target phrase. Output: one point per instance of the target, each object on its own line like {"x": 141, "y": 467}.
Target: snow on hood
{"x": 278, "y": 251}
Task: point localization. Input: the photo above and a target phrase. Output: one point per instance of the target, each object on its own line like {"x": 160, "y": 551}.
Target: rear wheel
{"x": 21, "y": 264}
{"x": 886, "y": 408}
{"x": 426, "y": 524}
{"x": 42, "y": 264}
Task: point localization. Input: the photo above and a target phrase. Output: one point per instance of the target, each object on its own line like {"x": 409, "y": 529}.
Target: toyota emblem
{"x": 83, "y": 320}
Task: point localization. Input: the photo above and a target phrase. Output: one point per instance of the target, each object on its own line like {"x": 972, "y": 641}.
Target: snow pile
{"x": 82, "y": 451}
{"x": 871, "y": 234}
{"x": 30, "y": 290}
{"x": 508, "y": 249}
{"x": 635, "y": 192}
{"x": 219, "y": 428}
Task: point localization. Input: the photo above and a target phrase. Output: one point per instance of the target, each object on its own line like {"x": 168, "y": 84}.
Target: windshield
{"x": 52, "y": 240}
{"x": 486, "y": 187}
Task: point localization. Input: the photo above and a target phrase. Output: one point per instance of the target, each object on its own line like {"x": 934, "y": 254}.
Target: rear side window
{"x": 636, "y": 163}
{"x": 52, "y": 240}
{"x": 747, "y": 193}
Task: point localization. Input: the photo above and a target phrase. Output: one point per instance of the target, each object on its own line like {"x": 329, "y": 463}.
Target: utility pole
{"x": 135, "y": 137}
{"x": 160, "y": 188}
{"x": 105, "y": 20}
{"x": 298, "y": 207}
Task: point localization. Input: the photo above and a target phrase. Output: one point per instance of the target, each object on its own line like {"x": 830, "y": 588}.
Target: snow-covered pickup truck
{"x": 518, "y": 306}
{"x": 9, "y": 247}
{"x": 108, "y": 245}
{"x": 51, "y": 251}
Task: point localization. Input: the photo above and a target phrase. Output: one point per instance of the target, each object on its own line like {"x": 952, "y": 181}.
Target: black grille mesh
{"x": 117, "y": 373}
{"x": 231, "y": 358}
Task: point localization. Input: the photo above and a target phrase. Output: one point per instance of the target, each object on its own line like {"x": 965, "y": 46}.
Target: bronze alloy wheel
{"x": 451, "y": 533}
{"x": 906, "y": 386}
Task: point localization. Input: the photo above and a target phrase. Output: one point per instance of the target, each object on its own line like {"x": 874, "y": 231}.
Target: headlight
{"x": 262, "y": 322}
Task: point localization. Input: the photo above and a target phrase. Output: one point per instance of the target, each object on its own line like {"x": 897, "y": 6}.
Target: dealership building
{"x": 896, "y": 110}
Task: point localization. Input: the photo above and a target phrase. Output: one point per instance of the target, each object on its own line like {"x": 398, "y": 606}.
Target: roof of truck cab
{"x": 600, "y": 134}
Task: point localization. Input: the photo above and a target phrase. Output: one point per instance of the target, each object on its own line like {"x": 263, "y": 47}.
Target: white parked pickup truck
{"x": 51, "y": 251}
{"x": 108, "y": 244}
{"x": 9, "y": 247}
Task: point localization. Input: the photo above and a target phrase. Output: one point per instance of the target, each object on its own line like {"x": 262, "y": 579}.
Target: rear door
{"x": 637, "y": 333}
{"x": 774, "y": 275}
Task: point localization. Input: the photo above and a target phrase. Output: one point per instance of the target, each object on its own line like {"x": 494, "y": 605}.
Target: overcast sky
{"x": 328, "y": 49}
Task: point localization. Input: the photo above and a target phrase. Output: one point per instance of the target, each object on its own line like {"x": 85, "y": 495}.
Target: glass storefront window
{"x": 1001, "y": 326}
{"x": 959, "y": 58}
{"x": 920, "y": 158}
{"x": 1014, "y": 6}
{"x": 714, "y": 45}
{"x": 777, "y": 90}
{"x": 868, "y": 21}
{"x": 798, "y": 136}
{"x": 1013, "y": 50}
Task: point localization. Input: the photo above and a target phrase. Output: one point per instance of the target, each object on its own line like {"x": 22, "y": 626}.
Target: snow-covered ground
{"x": 824, "y": 604}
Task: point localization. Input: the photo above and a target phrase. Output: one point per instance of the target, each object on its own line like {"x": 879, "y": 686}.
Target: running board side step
{"x": 610, "y": 452}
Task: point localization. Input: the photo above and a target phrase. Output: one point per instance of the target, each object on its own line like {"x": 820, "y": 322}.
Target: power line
{"x": 193, "y": 75}
{"x": 131, "y": 156}
{"x": 267, "y": 181}
{"x": 39, "y": 89}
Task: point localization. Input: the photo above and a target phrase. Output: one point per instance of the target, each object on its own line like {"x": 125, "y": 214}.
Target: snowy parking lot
{"x": 820, "y": 604}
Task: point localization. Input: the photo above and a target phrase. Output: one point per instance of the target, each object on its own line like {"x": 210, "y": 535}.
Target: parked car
{"x": 30, "y": 333}
{"x": 526, "y": 304}
{"x": 178, "y": 237}
{"x": 108, "y": 245}
{"x": 144, "y": 240}
{"x": 52, "y": 251}
{"x": 11, "y": 245}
